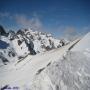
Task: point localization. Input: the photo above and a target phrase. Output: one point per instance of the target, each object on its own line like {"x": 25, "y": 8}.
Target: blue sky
{"x": 54, "y": 16}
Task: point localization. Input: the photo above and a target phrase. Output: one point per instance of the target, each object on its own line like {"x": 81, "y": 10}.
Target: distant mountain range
{"x": 18, "y": 45}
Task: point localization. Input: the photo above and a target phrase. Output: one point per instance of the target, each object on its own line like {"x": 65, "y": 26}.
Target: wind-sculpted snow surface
{"x": 70, "y": 73}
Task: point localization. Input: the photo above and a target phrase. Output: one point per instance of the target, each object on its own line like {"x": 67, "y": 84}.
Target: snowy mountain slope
{"x": 22, "y": 73}
{"x": 68, "y": 73}
{"x": 83, "y": 45}
{"x": 72, "y": 72}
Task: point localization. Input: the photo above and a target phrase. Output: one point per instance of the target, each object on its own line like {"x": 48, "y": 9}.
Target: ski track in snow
{"x": 24, "y": 71}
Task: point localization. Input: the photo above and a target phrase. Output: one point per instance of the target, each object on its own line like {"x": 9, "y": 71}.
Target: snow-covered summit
{"x": 27, "y": 41}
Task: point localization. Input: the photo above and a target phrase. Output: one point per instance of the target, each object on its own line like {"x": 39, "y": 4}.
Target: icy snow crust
{"x": 69, "y": 73}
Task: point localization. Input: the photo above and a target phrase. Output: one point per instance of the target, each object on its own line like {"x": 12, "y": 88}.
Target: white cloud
{"x": 23, "y": 21}
{"x": 70, "y": 30}
{"x": 86, "y": 28}
{"x": 70, "y": 33}
{"x": 33, "y": 23}
{"x": 4, "y": 14}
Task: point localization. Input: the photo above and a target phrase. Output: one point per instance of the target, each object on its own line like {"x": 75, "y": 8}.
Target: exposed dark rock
{"x": 19, "y": 42}
{"x": 4, "y": 60}
{"x": 5, "y": 87}
{"x": 11, "y": 35}
{"x": 10, "y": 53}
{"x": 48, "y": 64}
{"x": 62, "y": 42}
{"x": 48, "y": 48}
{"x": 39, "y": 71}
{"x": 20, "y": 57}
{"x": 2, "y": 30}
{"x": 31, "y": 47}
{"x": 31, "y": 36}
{"x": 20, "y": 32}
